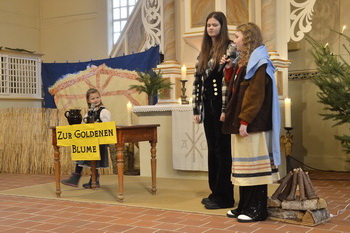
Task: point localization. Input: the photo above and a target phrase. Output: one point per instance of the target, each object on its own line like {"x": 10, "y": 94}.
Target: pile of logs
{"x": 296, "y": 201}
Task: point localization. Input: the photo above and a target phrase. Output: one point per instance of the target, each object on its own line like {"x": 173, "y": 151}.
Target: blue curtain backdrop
{"x": 51, "y": 72}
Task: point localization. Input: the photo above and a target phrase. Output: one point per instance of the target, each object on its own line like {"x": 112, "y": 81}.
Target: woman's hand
{"x": 228, "y": 62}
{"x": 243, "y": 131}
{"x": 222, "y": 117}
{"x": 196, "y": 119}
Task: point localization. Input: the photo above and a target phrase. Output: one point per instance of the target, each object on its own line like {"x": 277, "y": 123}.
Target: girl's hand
{"x": 196, "y": 119}
{"x": 222, "y": 117}
{"x": 243, "y": 131}
{"x": 228, "y": 62}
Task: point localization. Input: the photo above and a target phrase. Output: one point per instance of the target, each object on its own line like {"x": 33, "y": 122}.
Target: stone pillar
{"x": 268, "y": 25}
{"x": 169, "y": 30}
{"x": 275, "y": 29}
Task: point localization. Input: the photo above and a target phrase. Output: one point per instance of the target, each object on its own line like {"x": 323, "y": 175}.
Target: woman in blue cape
{"x": 252, "y": 117}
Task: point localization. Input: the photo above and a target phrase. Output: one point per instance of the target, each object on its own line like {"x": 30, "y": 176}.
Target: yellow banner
{"x": 105, "y": 132}
{"x": 87, "y": 149}
{"x": 84, "y": 139}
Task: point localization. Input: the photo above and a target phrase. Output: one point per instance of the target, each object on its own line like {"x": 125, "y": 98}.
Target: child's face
{"x": 95, "y": 99}
{"x": 213, "y": 27}
{"x": 239, "y": 41}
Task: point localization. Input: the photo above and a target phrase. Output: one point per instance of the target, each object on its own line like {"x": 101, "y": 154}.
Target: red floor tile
{"x": 24, "y": 214}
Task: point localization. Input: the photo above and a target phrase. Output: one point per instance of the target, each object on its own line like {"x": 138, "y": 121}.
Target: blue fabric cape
{"x": 260, "y": 57}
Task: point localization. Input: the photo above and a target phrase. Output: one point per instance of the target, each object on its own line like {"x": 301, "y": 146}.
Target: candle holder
{"x": 287, "y": 141}
{"x": 183, "y": 89}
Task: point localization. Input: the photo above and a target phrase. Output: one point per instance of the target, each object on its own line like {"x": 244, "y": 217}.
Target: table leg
{"x": 120, "y": 165}
{"x": 154, "y": 166}
{"x": 56, "y": 154}
{"x": 93, "y": 174}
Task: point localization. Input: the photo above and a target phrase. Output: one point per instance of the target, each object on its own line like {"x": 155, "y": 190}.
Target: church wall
{"x": 74, "y": 30}
{"x": 20, "y": 26}
{"x": 314, "y": 142}
{"x": 61, "y": 30}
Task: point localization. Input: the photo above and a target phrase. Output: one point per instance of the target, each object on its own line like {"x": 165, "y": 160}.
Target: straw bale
{"x": 27, "y": 141}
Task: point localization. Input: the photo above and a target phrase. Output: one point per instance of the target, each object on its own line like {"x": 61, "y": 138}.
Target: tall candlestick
{"x": 128, "y": 107}
{"x": 183, "y": 72}
{"x": 287, "y": 113}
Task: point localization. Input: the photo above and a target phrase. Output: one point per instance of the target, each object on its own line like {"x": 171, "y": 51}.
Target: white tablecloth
{"x": 189, "y": 143}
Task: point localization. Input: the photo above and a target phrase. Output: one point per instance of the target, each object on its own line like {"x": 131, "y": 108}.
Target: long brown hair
{"x": 89, "y": 92}
{"x": 252, "y": 39}
{"x": 210, "y": 50}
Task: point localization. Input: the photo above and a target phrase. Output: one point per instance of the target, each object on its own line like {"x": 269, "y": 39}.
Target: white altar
{"x": 181, "y": 147}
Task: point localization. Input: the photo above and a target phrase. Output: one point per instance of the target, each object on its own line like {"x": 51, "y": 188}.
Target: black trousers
{"x": 253, "y": 202}
{"x": 219, "y": 154}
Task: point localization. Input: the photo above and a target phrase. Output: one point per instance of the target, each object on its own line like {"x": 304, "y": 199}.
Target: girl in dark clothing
{"x": 207, "y": 108}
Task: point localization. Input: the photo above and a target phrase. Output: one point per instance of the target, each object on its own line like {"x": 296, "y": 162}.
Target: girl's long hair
{"x": 252, "y": 39}
{"x": 89, "y": 92}
{"x": 210, "y": 50}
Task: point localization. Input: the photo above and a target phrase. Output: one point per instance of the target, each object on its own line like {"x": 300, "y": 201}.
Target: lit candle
{"x": 344, "y": 27}
{"x": 128, "y": 107}
{"x": 179, "y": 101}
{"x": 183, "y": 72}
{"x": 287, "y": 113}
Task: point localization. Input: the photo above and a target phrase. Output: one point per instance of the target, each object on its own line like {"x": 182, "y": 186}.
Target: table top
{"x": 128, "y": 126}
{"x": 137, "y": 126}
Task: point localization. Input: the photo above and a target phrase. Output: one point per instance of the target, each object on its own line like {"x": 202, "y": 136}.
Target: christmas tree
{"x": 333, "y": 81}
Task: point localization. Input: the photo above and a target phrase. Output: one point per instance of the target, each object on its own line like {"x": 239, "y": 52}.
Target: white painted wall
{"x": 20, "y": 24}
{"x": 74, "y": 30}
{"x": 62, "y": 31}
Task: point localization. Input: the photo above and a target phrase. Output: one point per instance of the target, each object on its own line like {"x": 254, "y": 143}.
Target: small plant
{"x": 153, "y": 84}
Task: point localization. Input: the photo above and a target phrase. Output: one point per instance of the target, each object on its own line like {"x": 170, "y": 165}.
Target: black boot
{"x": 89, "y": 184}
{"x": 73, "y": 180}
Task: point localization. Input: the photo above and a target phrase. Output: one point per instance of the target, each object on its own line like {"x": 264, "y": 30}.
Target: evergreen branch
{"x": 333, "y": 82}
{"x": 345, "y": 142}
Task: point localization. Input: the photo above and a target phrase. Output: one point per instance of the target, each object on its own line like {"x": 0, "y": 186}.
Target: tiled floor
{"x": 24, "y": 214}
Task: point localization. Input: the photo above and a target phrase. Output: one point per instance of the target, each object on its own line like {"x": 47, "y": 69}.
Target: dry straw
{"x": 26, "y": 142}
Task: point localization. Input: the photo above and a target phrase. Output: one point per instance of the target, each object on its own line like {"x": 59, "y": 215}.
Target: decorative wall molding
{"x": 152, "y": 19}
{"x": 162, "y": 108}
{"x": 301, "y": 18}
{"x": 278, "y": 61}
{"x": 302, "y": 75}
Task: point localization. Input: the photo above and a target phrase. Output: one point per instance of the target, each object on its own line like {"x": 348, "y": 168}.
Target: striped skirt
{"x": 252, "y": 160}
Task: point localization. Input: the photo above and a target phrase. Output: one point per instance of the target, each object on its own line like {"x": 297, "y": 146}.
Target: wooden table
{"x": 125, "y": 134}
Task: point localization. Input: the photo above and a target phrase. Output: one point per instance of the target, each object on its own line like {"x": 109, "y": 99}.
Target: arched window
{"x": 121, "y": 11}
